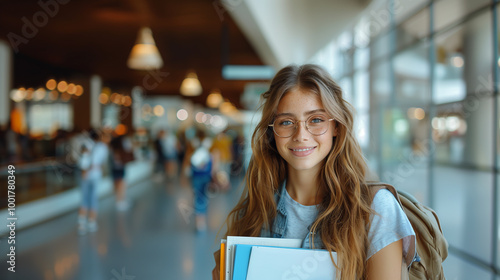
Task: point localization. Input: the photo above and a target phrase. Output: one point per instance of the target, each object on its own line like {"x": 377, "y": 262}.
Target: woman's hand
{"x": 216, "y": 271}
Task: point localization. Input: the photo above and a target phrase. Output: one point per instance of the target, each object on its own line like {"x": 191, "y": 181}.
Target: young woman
{"x": 306, "y": 179}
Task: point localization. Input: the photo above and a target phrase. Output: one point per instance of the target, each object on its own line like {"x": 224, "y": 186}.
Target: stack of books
{"x": 259, "y": 258}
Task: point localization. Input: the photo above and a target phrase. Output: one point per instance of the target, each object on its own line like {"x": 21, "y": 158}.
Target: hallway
{"x": 154, "y": 239}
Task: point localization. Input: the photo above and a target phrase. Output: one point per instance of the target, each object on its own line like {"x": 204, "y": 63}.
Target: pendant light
{"x": 145, "y": 54}
{"x": 191, "y": 85}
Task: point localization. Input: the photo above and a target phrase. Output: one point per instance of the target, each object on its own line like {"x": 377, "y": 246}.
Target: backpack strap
{"x": 374, "y": 187}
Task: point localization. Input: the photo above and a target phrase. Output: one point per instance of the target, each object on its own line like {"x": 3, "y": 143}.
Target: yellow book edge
{"x": 222, "y": 262}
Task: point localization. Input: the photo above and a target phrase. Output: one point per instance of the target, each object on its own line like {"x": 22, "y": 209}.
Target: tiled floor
{"x": 155, "y": 239}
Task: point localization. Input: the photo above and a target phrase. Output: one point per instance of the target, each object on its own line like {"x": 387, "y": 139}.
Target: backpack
{"x": 432, "y": 247}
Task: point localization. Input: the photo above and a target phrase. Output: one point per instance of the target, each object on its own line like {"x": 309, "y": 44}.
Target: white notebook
{"x": 268, "y": 263}
{"x": 262, "y": 241}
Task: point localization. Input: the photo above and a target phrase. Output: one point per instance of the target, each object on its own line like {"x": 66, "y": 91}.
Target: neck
{"x": 303, "y": 187}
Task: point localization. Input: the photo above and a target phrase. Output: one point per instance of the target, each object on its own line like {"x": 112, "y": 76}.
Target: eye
{"x": 317, "y": 119}
{"x": 284, "y": 122}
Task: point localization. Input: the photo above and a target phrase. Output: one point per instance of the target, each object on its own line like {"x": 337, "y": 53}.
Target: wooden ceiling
{"x": 71, "y": 38}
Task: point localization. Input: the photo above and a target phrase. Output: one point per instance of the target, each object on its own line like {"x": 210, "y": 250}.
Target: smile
{"x": 302, "y": 150}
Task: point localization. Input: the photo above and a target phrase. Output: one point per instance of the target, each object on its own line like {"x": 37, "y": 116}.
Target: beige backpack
{"x": 432, "y": 247}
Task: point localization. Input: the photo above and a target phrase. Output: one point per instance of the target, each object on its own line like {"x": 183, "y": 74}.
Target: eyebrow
{"x": 306, "y": 113}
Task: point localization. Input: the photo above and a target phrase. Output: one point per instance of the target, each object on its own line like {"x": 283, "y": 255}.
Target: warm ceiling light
{"x": 29, "y": 93}
{"x": 128, "y": 101}
{"x": 62, "y": 86}
{"x": 18, "y": 95}
{"x": 182, "y": 115}
{"x": 103, "y": 98}
{"x": 39, "y": 94}
{"x": 71, "y": 88}
{"x": 214, "y": 99}
{"x": 158, "y": 110}
{"x": 78, "y": 90}
{"x": 51, "y": 84}
{"x": 145, "y": 54}
{"x": 121, "y": 129}
{"x": 191, "y": 85}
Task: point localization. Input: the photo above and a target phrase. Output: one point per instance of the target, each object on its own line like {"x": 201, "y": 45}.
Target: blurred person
{"x": 160, "y": 151}
{"x": 12, "y": 146}
{"x": 119, "y": 159}
{"x": 181, "y": 148}
{"x": 142, "y": 143}
{"x": 238, "y": 147}
{"x": 202, "y": 166}
{"x": 221, "y": 147}
{"x": 91, "y": 162}
{"x": 166, "y": 149}
{"x": 170, "y": 150}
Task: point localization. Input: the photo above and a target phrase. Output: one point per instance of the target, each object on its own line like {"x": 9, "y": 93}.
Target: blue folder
{"x": 241, "y": 260}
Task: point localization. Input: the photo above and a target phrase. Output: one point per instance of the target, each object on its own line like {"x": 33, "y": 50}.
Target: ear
{"x": 335, "y": 129}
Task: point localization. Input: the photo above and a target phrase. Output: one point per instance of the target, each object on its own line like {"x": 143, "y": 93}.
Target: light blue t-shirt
{"x": 389, "y": 224}
{"x": 299, "y": 217}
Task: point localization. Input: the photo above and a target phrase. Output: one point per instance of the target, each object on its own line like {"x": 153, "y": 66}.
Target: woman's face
{"x": 302, "y": 150}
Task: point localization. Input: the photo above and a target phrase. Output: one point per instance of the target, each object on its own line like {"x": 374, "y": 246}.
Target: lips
{"x": 302, "y": 151}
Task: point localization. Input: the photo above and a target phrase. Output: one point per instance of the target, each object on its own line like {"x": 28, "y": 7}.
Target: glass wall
{"x": 425, "y": 85}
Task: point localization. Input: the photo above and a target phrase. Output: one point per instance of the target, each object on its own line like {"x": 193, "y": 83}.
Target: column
{"x": 95, "y": 105}
{"x": 5, "y": 81}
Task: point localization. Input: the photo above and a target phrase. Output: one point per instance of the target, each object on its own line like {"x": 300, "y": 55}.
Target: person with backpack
{"x": 202, "y": 167}
{"x": 307, "y": 179}
{"x": 91, "y": 163}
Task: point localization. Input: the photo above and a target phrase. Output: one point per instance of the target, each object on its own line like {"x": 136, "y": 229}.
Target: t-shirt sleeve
{"x": 390, "y": 224}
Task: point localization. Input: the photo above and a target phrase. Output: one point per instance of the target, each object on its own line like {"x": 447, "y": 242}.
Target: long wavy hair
{"x": 344, "y": 211}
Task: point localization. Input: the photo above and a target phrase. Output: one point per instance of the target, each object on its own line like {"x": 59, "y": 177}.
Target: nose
{"x": 301, "y": 132}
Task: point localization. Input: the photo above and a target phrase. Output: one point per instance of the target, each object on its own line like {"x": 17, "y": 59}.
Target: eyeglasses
{"x": 286, "y": 126}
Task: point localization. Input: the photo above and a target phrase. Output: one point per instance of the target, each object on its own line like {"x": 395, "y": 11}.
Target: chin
{"x": 303, "y": 166}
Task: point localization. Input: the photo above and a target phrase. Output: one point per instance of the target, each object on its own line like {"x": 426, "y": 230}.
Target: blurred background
{"x": 147, "y": 76}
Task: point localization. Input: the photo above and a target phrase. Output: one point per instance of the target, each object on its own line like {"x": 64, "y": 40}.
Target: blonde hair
{"x": 345, "y": 209}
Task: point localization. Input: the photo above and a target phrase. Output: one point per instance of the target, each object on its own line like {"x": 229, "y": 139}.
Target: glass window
{"x": 412, "y": 73}
{"x": 405, "y": 8}
{"x": 46, "y": 118}
{"x": 361, "y": 58}
{"x": 346, "y": 85}
{"x": 111, "y": 115}
{"x": 497, "y": 158}
{"x": 463, "y": 60}
{"x": 362, "y": 105}
{"x": 380, "y": 85}
{"x": 456, "y": 129}
{"x": 381, "y": 46}
{"x": 361, "y": 87}
{"x": 449, "y": 11}
{"x": 414, "y": 28}
{"x": 374, "y": 23}
{"x": 346, "y": 62}
{"x": 462, "y": 200}
{"x": 497, "y": 59}
{"x": 405, "y": 151}
{"x": 456, "y": 267}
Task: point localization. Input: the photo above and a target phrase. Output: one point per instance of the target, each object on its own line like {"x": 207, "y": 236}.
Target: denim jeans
{"x": 200, "y": 188}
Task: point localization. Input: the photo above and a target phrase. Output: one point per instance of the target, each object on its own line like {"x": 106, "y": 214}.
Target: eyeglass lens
{"x": 285, "y": 126}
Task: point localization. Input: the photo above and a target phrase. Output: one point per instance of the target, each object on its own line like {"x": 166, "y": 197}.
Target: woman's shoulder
{"x": 389, "y": 223}
{"x": 384, "y": 199}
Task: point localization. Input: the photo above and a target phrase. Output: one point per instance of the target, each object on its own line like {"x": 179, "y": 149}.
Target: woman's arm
{"x": 386, "y": 263}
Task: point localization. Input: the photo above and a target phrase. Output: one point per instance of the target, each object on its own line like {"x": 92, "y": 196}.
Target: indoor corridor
{"x": 154, "y": 239}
